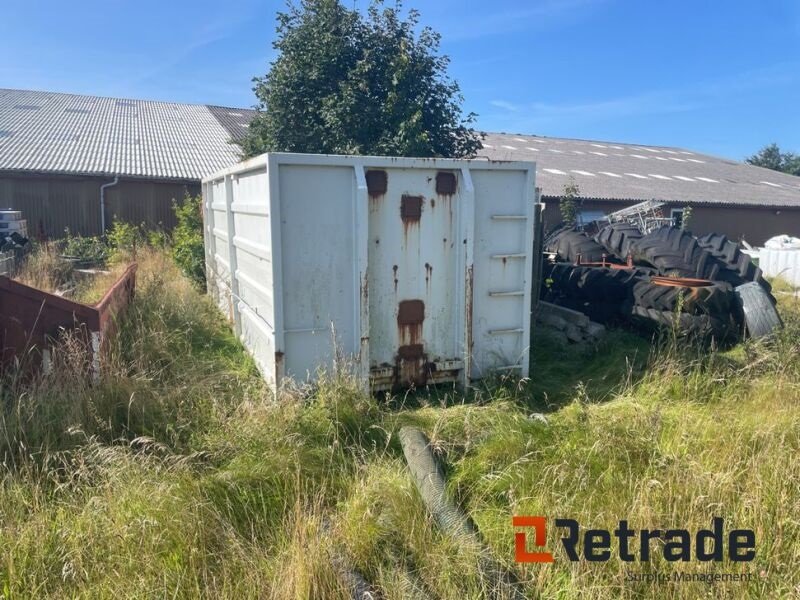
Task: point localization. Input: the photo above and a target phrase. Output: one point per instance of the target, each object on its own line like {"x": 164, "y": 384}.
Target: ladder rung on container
{"x": 505, "y": 331}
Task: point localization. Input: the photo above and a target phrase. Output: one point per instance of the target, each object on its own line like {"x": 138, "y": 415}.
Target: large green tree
{"x": 771, "y": 157}
{"x": 349, "y": 83}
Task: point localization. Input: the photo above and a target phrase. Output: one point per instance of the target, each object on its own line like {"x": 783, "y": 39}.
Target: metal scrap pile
{"x": 659, "y": 277}
{"x": 12, "y": 241}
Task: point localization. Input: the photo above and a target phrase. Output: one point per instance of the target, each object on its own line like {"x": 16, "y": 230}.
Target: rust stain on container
{"x": 411, "y": 312}
{"x": 445, "y": 183}
{"x": 433, "y": 203}
{"x": 428, "y": 276}
{"x": 410, "y": 352}
{"x": 365, "y": 289}
{"x": 394, "y": 269}
{"x": 377, "y": 183}
{"x": 410, "y": 212}
{"x": 410, "y": 208}
{"x": 411, "y": 358}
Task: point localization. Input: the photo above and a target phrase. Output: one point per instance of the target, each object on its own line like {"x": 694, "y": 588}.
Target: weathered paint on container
{"x": 417, "y": 271}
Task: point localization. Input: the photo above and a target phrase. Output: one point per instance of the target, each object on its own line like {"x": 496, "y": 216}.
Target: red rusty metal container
{"x": 31, "y": 320}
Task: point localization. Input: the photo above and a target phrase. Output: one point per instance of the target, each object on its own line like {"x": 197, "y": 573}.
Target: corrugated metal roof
{"x": 49, "y": 132}
{"x": 65, "y": 133}
{"x": 632, "y": 172}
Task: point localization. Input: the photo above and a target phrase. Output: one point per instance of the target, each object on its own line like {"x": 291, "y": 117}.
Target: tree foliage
{"x": 771, "y": 157}
{"x": 347, "y": 83}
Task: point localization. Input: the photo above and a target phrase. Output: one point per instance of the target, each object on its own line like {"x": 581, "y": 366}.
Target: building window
{"x": 586, "y": 217}
{"x": 676, "y": 214}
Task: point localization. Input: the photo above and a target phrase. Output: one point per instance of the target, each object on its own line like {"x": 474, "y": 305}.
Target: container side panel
{"x": 320, "y": 282}
{"x": 221, "y": 261}
{"x": 499, "y": 281}
{"x": 259, "y": 338}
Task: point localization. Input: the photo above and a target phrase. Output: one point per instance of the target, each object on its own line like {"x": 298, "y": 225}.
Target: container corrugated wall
{"x": 415, "y": 271}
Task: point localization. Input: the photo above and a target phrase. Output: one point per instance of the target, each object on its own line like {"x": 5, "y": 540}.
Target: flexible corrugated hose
{"x": 430, "y": 482}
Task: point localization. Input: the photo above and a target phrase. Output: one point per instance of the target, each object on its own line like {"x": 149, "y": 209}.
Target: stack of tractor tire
{"x": 702, "y": 287}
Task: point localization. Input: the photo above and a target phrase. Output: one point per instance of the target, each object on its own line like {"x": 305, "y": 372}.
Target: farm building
{"x": 60, "y": 153}
{"x": 63, "y": 155}
{"x": 734, "y": 198}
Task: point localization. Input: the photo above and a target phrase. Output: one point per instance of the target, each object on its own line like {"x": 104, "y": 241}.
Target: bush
{"x": 123, "y": 239}
{"x": 86, "y": 250}
{"x": 188, "y": 248}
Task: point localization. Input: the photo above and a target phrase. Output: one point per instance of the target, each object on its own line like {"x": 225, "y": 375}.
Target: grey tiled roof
{"x": 49, "y": 132}
{"x": 619, "y": 171}
{"x": 234, "y": 120}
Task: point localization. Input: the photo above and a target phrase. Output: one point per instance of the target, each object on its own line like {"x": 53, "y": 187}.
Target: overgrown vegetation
{"x": 178, "y": 475}
{"x": 188, "y": 248}
{"x": 568, "y": 204}
{"x": 349, "y": 83}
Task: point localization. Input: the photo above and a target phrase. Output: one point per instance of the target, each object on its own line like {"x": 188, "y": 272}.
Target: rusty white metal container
{"x": 414, "y": 271}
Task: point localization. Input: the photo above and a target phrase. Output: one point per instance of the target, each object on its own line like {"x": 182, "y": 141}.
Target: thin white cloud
{"x": 534, "y": 116}
{"x": 504, "y": 105}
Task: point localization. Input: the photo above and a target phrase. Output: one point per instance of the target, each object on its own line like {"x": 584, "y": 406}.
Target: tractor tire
{"x": 737, "y": 267}
{"x": 705, "y": 327}
{"x": 551, "y": 238}
{"x": 676, "y": 253}
{"x": 593, "y": 284}
{"x": 716, "y": 299}
{"x": 617, "y": 239}
{"x": 758, "y": 310}
{"x": 569, "y": 245}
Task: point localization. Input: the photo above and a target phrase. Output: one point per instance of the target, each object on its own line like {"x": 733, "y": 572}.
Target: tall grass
{"x": 179, "y": 475}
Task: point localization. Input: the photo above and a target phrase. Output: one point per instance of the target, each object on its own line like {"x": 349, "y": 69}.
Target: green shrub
{"x": 123, "y": 239}
{"x": 188, "y": 248}
{"x": 84, "y": 249}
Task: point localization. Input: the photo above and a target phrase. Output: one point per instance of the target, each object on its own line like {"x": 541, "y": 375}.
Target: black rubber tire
{"x": 737, "y": 267}
{"x": 569, "y": 245}
{"x": 716, "y": 299}
{"x": 704, "y": 327}
{"x": 617, "y": 239}
{"x": 595, "y": 284}
{"x": 551, "y": 238}
{"x": 675, "y": 252}
{"x": 758, "y": 311}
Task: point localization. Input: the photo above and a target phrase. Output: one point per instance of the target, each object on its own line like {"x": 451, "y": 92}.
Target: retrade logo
{"x": 521, "y": 553}
{"x": 599, "y": 545}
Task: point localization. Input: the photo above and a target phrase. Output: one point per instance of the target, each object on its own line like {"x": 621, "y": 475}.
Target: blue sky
{"x": 719, "y": 77}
